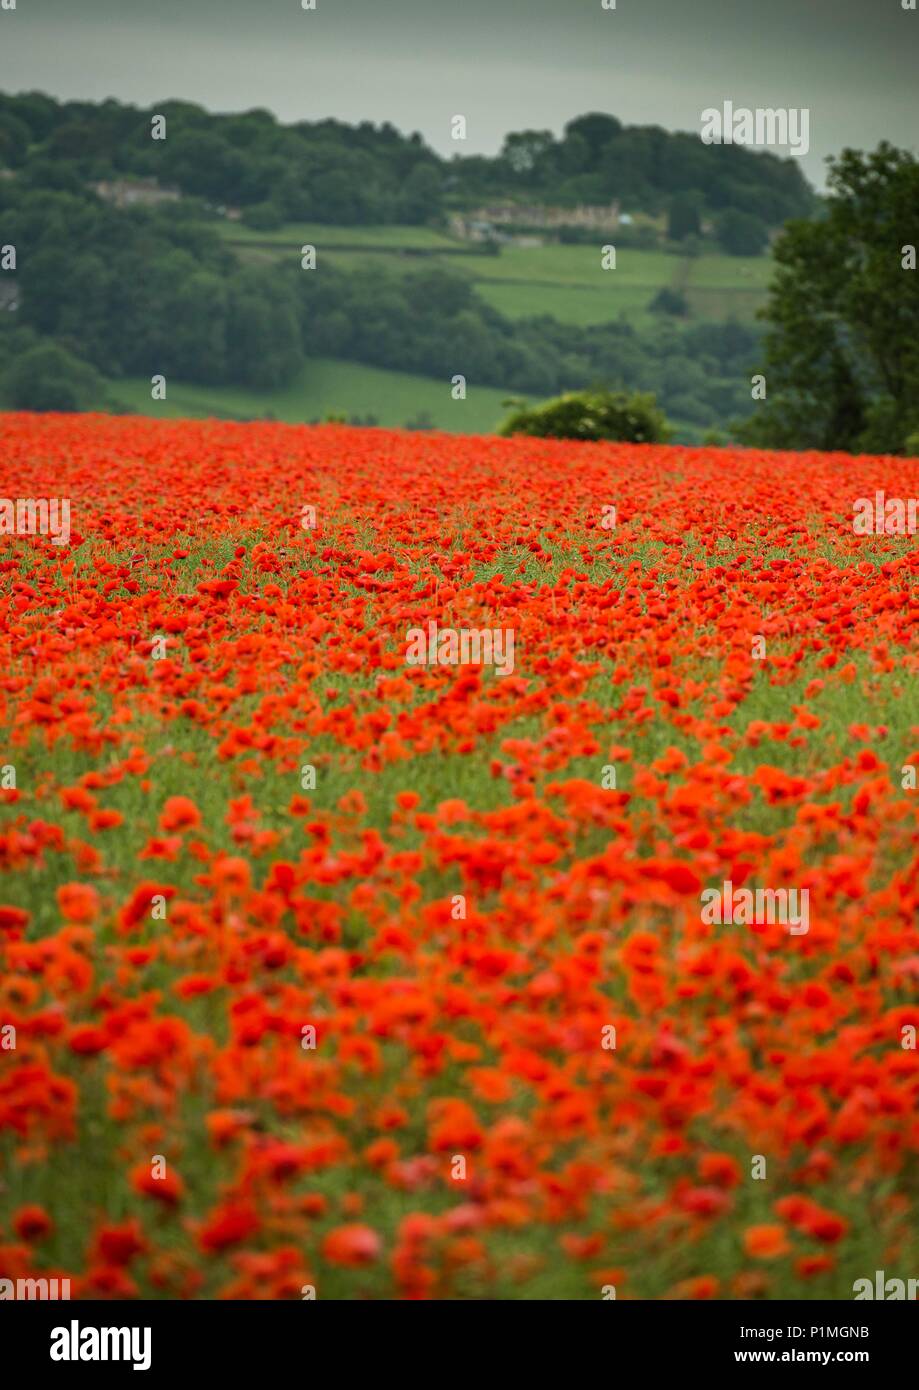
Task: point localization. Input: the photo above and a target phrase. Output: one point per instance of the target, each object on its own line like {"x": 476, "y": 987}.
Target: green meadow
{"x": 327, "y": 387}
{"x": 568, "y": 283}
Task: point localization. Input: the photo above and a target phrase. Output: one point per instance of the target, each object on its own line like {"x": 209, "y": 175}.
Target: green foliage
{"x": 426, "y": 322}
{"x": 842, "y": 350}
{"x": 327, "y": 171}
{"x": 683, "y": 218}
{"x": 645, "y": 168}
{"x": 668, "y": 301}
{"x": 154, "y": 291}
{"x": 742, "y": 233}
{"x": 593, "y": 415}
{"x": 14, "y": 141}
{"x": 144, "y": 292}
{"x": 46, "y": 377}
{"x": 150, "y": 290}
{"x": 264, "y": 217}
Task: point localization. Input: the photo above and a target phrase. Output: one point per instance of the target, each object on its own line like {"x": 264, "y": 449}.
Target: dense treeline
{"x": 842, "y": 347}
{"x": 155, "y": 291}
{"x": 644, "y": 167}
{"x": 327, "y": 171}
{"x": 130, "y": 290}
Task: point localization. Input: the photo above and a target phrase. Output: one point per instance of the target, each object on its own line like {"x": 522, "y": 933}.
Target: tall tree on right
{"x": 842, "y": 347}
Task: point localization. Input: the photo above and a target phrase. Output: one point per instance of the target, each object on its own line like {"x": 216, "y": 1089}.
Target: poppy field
{"x": 325, "y": 972}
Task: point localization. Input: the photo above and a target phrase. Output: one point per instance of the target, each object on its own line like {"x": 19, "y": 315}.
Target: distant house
{"x": 472, "y": 228}
{"x": 126, "y": 193}
{"x": 496, "y": 221}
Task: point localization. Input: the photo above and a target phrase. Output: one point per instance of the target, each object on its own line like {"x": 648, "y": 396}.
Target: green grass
{"x": 326, "y": 387}
{"x": 569, "y": 304}
{"x": 329, "y": 386}
{"x": 569, "y": 284}
{"x": 731, "y": 272}
{"x": 566, "y": 282}
{"x": 578, "y": 265}
{"x": 722, "y": 287}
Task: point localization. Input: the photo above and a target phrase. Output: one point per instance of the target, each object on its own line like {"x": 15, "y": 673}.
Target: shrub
{"x": 683, "y": 218}
{"x": 668, "y": 301}
{"x": 48, "y": 378}
{"x": 742, "y": 233}
{"x": 596, "y": 414}
{"x": 263, "y": 217}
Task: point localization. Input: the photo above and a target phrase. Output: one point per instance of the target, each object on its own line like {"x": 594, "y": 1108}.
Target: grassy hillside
{"x": 566, "y": 282}
{"x": 720, "y": 286}
{"x": 328, "y": 387}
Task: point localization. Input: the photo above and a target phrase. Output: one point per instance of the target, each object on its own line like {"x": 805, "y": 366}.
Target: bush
{"x": 684, "y": 406}
{"x": 614, "y": 415}
{"x": 742, "y": 233}
{"x": 885, "y": 431}
{"x": 911, "y": 447}
{"x": 263, "y": 217}
{"x": 683, "y": 218}
{"x": 668, "y": 301}
{"x": 47, "y": 377}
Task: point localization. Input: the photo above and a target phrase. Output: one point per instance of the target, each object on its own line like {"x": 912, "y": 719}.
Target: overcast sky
{"x": 503, "y": 64}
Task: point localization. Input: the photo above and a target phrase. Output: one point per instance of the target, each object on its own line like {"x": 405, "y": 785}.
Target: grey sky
{"x": 503, "y": 64}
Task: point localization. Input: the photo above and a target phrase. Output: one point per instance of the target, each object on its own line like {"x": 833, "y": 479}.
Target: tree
{"x": 263, "y": 336}
{"x": 525, "y": 150}
{"x": 593, "y": 415}
{"x": 47, "y": 377}
{"x": 596, "y": 129}
{"x": 264, "y": 217}
{"x": 842, "y": 348}
{"x": 14, "y": 140}
{"x": 668, "y": 301}
{"x": 203, "y": 163}
{"x": 683, "y": 219}
{"x": 742, "y": 233}
{"x": 198, "y": 309}
{"x": 421, "y": 197}
{"x": 39, "y": 112}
